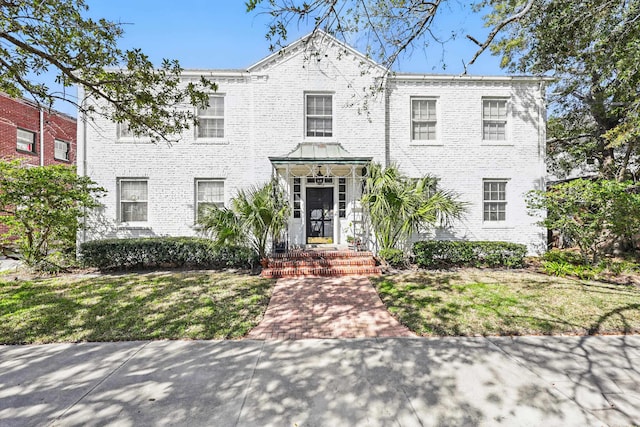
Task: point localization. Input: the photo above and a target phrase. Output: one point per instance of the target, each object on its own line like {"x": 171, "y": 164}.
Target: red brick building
{"x": 38, "y": 136}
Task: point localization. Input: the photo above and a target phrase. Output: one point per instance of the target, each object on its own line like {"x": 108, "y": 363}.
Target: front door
{"x": 320, "y": 215}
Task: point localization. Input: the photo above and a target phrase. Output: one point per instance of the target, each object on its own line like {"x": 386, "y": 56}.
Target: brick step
{"x": 321, "y": 254}
{"x": 320, "y": 262}
{"x": 277, "y": 273}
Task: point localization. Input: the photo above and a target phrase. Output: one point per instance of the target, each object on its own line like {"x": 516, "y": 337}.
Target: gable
{"x": 315, "y": 44}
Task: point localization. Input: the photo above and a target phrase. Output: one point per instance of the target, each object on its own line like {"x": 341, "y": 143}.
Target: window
{"x": 495, "y": 200}
{"x": 26, "y": 141}
{"x": 297, "y": 198}
{"x": 211, "y": 119}
{"x": 61, "y": 150}
{"x": 423, "y": 119}
{"x": 124, "y": 131}
{"x": 342, "y": 197}
{"x": 209, "y": 193}
{"x": 494, "y": 119}
{"x": 133, "y": 200}
{"x": 319, "y": 115}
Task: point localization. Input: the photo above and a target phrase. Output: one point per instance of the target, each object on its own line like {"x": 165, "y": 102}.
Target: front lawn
{"x": 163, "y": 305}
{"x": 493, "y": 302}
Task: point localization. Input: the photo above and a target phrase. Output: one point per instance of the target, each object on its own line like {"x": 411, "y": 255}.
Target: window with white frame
{"x": 133, "y": 201}
{"x": 423, "y": 119}
{"x": 124, "y": 131}
{"x": 319, "y": 115}
{"x": 494, "y": 119}
{"x": 61, "y": 150}
{"x": 26, "y": 141}
{"x": 211, "y": 119}
{"x": 209, "y": 192}
{"x": 495, "y": 200}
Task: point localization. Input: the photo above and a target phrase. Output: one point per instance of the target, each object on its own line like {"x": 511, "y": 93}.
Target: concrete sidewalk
{"x": 550, "y": 381}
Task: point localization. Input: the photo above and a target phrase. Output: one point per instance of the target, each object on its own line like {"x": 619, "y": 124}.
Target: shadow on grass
{"x": 483, "y": 303}
{"x": 132, "y": 307}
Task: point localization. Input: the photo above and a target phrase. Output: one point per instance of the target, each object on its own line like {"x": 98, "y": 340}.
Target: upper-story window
{"x": 319, "y": 115}
{"x": 124, "y": 131}
{"x": 26, "y": 141}
{"x": 494, "y": 119}
{"x": 61, "y": 150}
{"x": 423, "y": 119}
{"x": 211, "y": 119}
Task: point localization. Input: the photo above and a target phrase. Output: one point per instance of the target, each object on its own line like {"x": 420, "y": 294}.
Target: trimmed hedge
{"x": 172, "y": 252}
{"x": 445, "y": 254}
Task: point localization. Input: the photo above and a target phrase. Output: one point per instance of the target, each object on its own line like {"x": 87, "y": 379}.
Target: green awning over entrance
{"x": 320, "y": 153}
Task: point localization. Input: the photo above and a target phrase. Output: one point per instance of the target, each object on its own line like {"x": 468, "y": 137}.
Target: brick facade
{"x": 21, "y": 114}
{"x": 264, "y": 115}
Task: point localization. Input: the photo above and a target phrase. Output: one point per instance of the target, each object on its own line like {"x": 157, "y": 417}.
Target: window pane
{"x": 210, "y": 191}
{"x": 133, "y": 190}
{"x": 215, "y": 108}
{"x": 61, "y": 150}
{"x": 424, "y": 109}
{"x": 211, "y": 128}
{"x": 134, "y": 211}
{"x": 26, "y": 140}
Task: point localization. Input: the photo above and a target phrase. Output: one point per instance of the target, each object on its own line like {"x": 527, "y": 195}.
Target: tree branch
{"x": 494, "y": 32}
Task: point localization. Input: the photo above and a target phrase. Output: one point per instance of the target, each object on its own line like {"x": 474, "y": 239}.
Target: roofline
{"x": 304, "y": 39}
{"x": 450, "y": 77}
{"x": 214, "y": 73}
{"x": 37, "y": 106}
{"x": 326, "y": 160}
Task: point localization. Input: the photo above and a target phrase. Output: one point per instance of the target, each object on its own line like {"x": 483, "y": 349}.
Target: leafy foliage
{"x": 446, "y": 254}
{"x": 592, "y": 49}
{"x": 256, "y": 215}
{"x": 394, "y": 257}
{"x": 398, "y": 206}
{"x": 57, "y": 36}
{"x": 590, "y": 213}
{"x": 41, "y": 207}
{"x": 126, "y": 254}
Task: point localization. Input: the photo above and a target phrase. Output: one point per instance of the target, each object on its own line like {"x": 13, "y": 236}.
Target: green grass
{"x": 487, "y": 302}
{"x": 167, "y": 305}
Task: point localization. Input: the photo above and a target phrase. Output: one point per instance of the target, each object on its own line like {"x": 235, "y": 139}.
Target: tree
{"x": 388, "y": 29}
{"x": 593, "y": 50}
{"x": 42, "y": 207}
{"x": 398, "y": 206}
{"x": 257, "y": 214}
{"x": 56, "y": 35}
{"x": 591, "y": 214}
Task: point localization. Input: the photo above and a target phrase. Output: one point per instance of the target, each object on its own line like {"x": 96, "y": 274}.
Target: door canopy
{"x": 319, "y": 159}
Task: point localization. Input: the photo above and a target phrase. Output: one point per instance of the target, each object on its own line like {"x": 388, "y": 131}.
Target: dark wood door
{"x": 319, "y": 215}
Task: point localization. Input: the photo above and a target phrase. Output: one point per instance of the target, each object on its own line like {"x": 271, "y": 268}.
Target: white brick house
{"x": 299, "y": 114}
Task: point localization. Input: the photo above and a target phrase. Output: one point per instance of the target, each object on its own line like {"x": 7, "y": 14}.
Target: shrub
{"x": 395, "y": 257}
{"x": 163, "y": 252}
{"x": 444, "y": 254}
{"x": 560, "y": 256}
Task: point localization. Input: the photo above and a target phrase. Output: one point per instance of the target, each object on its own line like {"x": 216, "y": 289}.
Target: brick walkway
{"x": 326, "y": 307}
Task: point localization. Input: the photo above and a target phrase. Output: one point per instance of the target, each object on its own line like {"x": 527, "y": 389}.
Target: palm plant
{"x": 256, "y": 215}
{"x": 398, "y": 206}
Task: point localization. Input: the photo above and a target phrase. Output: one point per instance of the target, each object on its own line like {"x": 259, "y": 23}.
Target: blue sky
{"x": 221, "y": 34}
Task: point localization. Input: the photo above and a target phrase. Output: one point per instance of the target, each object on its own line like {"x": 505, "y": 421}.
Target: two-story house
{"x": 309, "y": 116}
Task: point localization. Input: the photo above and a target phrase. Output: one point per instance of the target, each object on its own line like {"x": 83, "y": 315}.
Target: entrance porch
{"x": 324, "y": 184}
